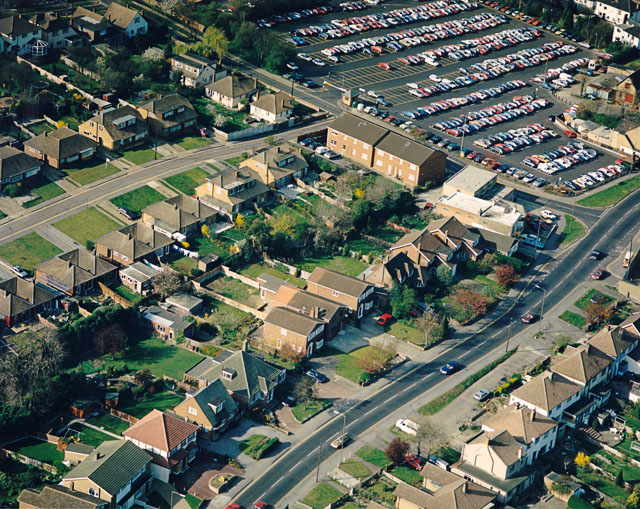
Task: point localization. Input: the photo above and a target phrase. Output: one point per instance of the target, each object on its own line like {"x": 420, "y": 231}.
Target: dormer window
{"x": 217, "y": 407}
{"x": 180, "y": 109}
{"x": 228, "y": 373}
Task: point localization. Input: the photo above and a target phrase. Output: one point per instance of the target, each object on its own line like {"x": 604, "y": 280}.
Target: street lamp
{"x": 544, "y": 294}
{"x": 344, "y": 421}
{"x": 508, "y": 335}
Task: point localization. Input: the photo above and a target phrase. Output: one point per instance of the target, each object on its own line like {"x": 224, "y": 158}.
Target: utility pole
{"x": 508, "y": 335}
{"x": 318, "y": 468}
{"x": 344, "y": 422}
{"x": 462, "y": 141}
{"x": 544, "y": 293}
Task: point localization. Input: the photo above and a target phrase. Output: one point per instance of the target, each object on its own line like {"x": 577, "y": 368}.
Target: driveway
{"x": 196, "y": 479}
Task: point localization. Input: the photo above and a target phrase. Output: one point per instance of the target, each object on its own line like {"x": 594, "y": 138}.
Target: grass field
{"x": 611, "y": 195}
{"x": 256, "y": 269}
{"x": 138, "y": 199}
{"x": 376, "y": 457}
{"x": 584, "y": 301}
{"x": 234, "y": 161}
{"x": 574, "y": 319}
{"x": 573, "y": 230}
{"x": 161, "y": 401}
{"x": 88, "y": 436}
{"x": 190, "y": 142}
{"x": 28, "y": 251}
{"x": 322, "y": 495}
{"x": 140, "y": 156}
{"x": 187, "y": 181}
{"x": 303, "y": 412}
{"x": 46, "y": 191}
{"x": 236, "y": 290}
{"x": 355, "y": 468}
{"x": 86, "y": 225}
{"x": 406, "y": 333}
{"x": 349, "y": 364}
{"x": 38, "y": 450}
{"x": 40, "y": 127}
{"x": 184, "y": 265}
{"x": 91, "y": 172}
{"x": 349, "y": 266}
{"x": 109, "y": 422}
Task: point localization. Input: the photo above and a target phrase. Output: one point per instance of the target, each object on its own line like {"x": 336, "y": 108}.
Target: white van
{"x": 408, "y": 426}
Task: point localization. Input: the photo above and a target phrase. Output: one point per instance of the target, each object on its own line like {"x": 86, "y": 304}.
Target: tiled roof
{"x": 632, "y": 323}
{"x": 292, "y": 320}
{"x": 524, "y": 424}
{"x": 107, "y": 118}
{"x": 18, "y": 295}
{"x": 337, "y": 281}
{"x": 212, "y": 395}
{"x": 120, "y": 15}
{"x": 273, "y": 103}
{"x": 271, "y": 159}
{"x": 502, "y": 444}
{"x": 75, "y": 267}
{"x": 233, "y": 86}
{"x": 426, "y": 243}
{"x": 160, "y": 430}
{"x": 134, "y": 241}
{"x": 358, "y": 128}
{"x": 61, "y": 143}
{"x": 547, "y": 391}
{"x": 455, "y": 230}
{"x": 406, "y": 149}
{"x": 581, "y": 364}
{"x": 164, "y": 316}
{"x": 58, "y": 497}
{"x": 613, "y": 340}
{"x": 168, "y": 103}
{"x": 178, "y": 212}
{"x": 13, "y": 162}
{"x": 305, "y": 302}
{"x": 14, "y": 26}
{"x": 273, "y": 283}
{"x": 89, "y": 20}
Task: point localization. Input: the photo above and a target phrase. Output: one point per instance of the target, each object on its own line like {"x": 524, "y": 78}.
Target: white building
{"x": 627, "y": 34}
{"x": 272, "y": 108}
{"x": 616, "y": 12}
{"x": 18, "y": 35}
{"x": 129, "y": 21}
{"x": 197, "y": 71}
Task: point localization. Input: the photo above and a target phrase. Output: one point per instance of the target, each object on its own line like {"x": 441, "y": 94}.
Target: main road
{"x": 616, "y": 225}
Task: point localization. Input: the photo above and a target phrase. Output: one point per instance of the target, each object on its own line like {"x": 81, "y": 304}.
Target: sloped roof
{"x": 75, "y": 267}
{"x": 59, "y": 497}
{"x": 581, "y": 364}
{"x": 292, "y": 320}
{"x": 120, "y": 15}
{"x": 14, "y": 26}
{"x": 501, "y": 443}
{"x": 425, "y": 242}
{"x": 213, "y": 394}
{"x": 169, "y": 103}
{"x": 632, "y": 323}
{"x": 116, "y": 464}
{"x": 166, "y": 317}
{"x": 160, "y": 430}
{"x": 233, "y": 86}
{"x": 359, "y": 128}
{"x": 304, "y": 302}
{"x": 14, "y": 162}
{"x": 274, "y": 103}
{"x": 494, "y": 241}
{"x": 273, "y": 283}
{"x": 179, "y": 212}
{"x": 18, "y": 295}
{"x": 454, "y": 229}
{"x": 89, "y": 20}
{"x": 61, "y": 143}
{"x": 273, "y": 157}
{"x": 107, "y": 118}
{"x": 140, "y": 272}
{"x": 547, "y": 391}
{"x": 524, "y": 424}
{"x": 134, "y": 241}
{"x": 406, "y": 149}
{"x": 337, "y": 281}
{"x": 612, "y": 340}
{"x": 193, "y": 59}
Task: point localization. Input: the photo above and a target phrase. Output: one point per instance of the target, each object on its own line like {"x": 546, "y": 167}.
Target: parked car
{"x": 317, "y": 376}
{"x": 529, "y": 317}
{"x": 570, "y": 134}
{"x": 289, "y": 401}
{"x": 598, "y": 274}
{"x": 415, "y": 461}
{"x": 16, "y": 269}
{"x": 408, "y": 426}
{"x": 233, "y": 506}
{"x": 292, "y": 66}
{"x": 482, "y": 394}
{"x": 547, "y": 214}
{"x": 340, "y": 441}
{"x": 260, "y": 505}
{"x": 384, "y": 319}
{"x": 450, "y": 367}
{"x": 129, "y": 214}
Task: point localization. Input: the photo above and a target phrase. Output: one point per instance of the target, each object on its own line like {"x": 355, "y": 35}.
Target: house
{"x": 75, "y": 272}
{"x": 470, "y": 180}
{"x": 277, "y": 166}
{"x": 133, "y": 243}
{"x": 230, "y": 91}
{"x": 171, "y": 115}
{"x": 357, "y": 295}
{"x": 425, "y": 250}
{"x": 326, "y": 310}
{"x": 616, "y": 343}
{"x": 91, "y": 25}
{"x": 179, "y": 217}
{"x": 61, "y": 147}
{"x": 496, "y": 242}
{"x": 353, "y": 137}
{"x": 58, "y": 497}
{"x": 285, "y": 328}
{"x": 548, "y": 394}
{"x": 211, "y": 408}
{"x": 76, "y": 452}
{"x": 183, "y": 304}
{"x": 454, "y": 234}
{"x": 627, "y": 90}
{"x": 616, "y": 12}
{"x": 20, "y": 300}
{"x": 16, "y": 165}
{"x": 139, "y": 277}
{"x": 126, "y": 21}
{"x": 398, "y": 268}
{"x": 116, "y": 129}
{"x": 171, "y": 442}
{"x": 627, "y": 34}
{"x": 270, "y": 284}
{"x": 18, "y": 36}
{"x": 631, "y": 324}
{"x": 166, "y": 323}
{"x": 250, "y": 380}
{"x": 56, "y": 31}
{"x": 197, "y": 71}
{"x": 272, "y": 108}
{"x": 233, "y": 192}
{"x": 441, "y": 489}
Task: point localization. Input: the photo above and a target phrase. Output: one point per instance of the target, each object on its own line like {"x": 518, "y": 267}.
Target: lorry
{"x": 626, "y": 261}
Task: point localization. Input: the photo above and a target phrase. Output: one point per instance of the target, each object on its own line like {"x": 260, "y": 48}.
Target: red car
{"x": 384, "y": 319}
{"x": 598, "y": 274}
{"x": 384, "y": 65}
{"x": 260, "y": 505}
{"x": 570, "y": 134}
{"x": 233, "y": 506}
{"x": 529, "y": 317}
{"x": 415, "y": 461}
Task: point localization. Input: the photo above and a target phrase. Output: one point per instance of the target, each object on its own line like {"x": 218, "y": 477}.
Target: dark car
{"x": 598, "y": 298}
{"x": 129, "y": 214}
{"x": 529, "y": 317}
{"x": 449, "y": 368}
{"x": 595, "y": 255}
{"x": 289, "y": 401}
{"x": 306, "y": 142}
{"x": 309, "y": 84}
{"x": 318, "y": 377}
{"x": 415, "y": 461}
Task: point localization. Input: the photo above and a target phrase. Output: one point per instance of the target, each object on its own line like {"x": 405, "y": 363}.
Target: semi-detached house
{"x": 171, "y": 115}
{"x": 18, "y": 36}
{"x": 61, "y": 147}
{"x": 285, "y": 328}
{"x": 133, "y": 243}
{"x": 16, "y": 165}
{"x": 197, "y": 71}
{"x": 116, "y": 129}
{"x": 357, "y": 295}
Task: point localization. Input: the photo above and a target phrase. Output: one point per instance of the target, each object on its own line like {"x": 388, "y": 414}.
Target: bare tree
{"x": 168, "y": 6}
{"x": 219, "y": 120}
{"x": 303, "y": 391}
{"x": 167, "y": 282}
{"x": 379, "y": 190}
{"x": 428, "y": 437}
{"x": 428, "y": 323}
{"x": 374, "y": 360}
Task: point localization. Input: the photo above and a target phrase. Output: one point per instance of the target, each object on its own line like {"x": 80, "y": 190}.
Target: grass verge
{"x": 86, "y": 225}
{"x": 256, "y": 446}
{"x": 28, "y": 251}
{"x": 376, "y": 457}
{"x": 321, "y": 496}
{"x": 573, "y": 230}
{"x": 611, "y": 195}
{"x": 91, "y": 172}
{"x": 187, "y": 181}
{"x": 305, "y": 411}
{"x": 138, "y": 199}
{"x": 140, "y": 156}
{"x": 575, "y": 319}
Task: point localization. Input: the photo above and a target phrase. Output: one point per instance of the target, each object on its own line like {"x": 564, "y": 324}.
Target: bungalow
{"x": 231, "y": 90}
{"x": 56, "y": 496}
{"x": 272, "y": 108}
{"x": 16, "y": 165}
{"x": 357, "y": 295}
{"x": 91, "y": 25}
{"x": 197, "y": 71}
{"x": 178, "y": 217}
{"x": 171, "y": 115}
{"x": 117, "y": 472}
{"x": 75, "y": 272}
{"x": 116, "y": 129}
{"x": 277, "y": 166}
{"x": 250, "y": 380}
{"x": 288, "y": 329}
{"x": 60, "y": 147}
{"x": 139, "y": 277}
{"x": 18, "y": 35}
{"x": 233, "y": 192}
{"x": 171, "y": 442}
{"x": 211, "y": 408}
{"x": 21, "y": 299}
{"x": 127, "y": 22}
{"x": 166, "y": 323}
{"x": 133, "y": 243}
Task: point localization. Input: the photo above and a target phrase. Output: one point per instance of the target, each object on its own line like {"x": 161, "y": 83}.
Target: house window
{"x": 93, "y": 492}
{"x": 100, "y": 128}
{"x": 335, "y": 293}
{"x": 192, "y": 411}
{"x": 283, "y": 331}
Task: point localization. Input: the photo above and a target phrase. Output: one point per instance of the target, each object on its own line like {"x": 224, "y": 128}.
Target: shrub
{"x": 196, "y": 272}
{"x": 11, "y": 190}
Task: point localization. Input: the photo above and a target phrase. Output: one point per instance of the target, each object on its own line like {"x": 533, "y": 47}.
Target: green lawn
{"x": 86, "y": 225}
{"x": 190, "y": 142}
{"x": 141, "y": 155}
{"x": 584, "y": 301}
{"x": 87, "y": 435}
{"x": 217, "y": 245}
{"x": 408, "y": 475}
{"x": 573, "y": 230}
{"x": 256, "y": 269}
{"x": 38, "y": 450}
{"x": 128, "y": 294}
{"x": 40, "y": 127}
{"x": 386, "y": 234}
{"x": 46, "y": 191}
{"x": 599, "y": 482}
{"x": 256, "y": 446}
{"x": 234, "y": 161}
{"x": 355, "y": 468}
{"x": 612, "y": 195}
{"x": 348, "y": 366}
{"x": 574, "y": 319}
{"x": 349, "y": 266}
{"x": 187, "y": 181}
{"x": 109, "y": 422}
{"x": 322, "y": 495}
{"x": 194, "y": 502}
{"x": 376, "y": 457}
{"x": 406, "y": 333}
{"x": 161, "y": 401}
{"x": 184, "y": 265}
{"x": 303, "y": 412}
{"x": 236, "y": 290}
{"x": 138, "y": 199}
{"x": 90, "y": 172}
{"x": 28, "y": 251}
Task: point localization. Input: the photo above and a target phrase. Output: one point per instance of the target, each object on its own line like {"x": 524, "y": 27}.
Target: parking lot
{"x": 361, "y": 71}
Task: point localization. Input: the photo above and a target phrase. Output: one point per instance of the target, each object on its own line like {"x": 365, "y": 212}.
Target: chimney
{"x": 257, "y": 94}
{"x": 45, "y": 134}
{"x": 314, "y": 312}
{"x": 464, "y": 487}
{"x": 245, "y": 345}
{"x": 533, "y": 414}
{"x": 96, "y": 455}
{"x": 520, "y": 453}
{"x": 281, "y": 103}
{"x": 255, "y": 82}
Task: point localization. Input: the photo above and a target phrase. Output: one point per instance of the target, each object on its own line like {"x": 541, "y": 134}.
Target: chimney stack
{"x": 520, "y": 453}
{"x": 464, "y": 487}
{"x": 245, "y": 345}
{"x": 255, "y": 82}
{"x": 533, "y": 414}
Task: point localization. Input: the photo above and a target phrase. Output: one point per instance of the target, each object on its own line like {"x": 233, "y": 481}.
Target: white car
{"x": 413, "y": 85}
{"x": 305, "y": 57}
{"x": 547, "y": 214}
{"x": 16, "y": 269}
{"x": 339, "y": 441}
{"x": 292, "y": 66}
{"x": 482, "y": 394}
{"x": 435, "y": 77}
{"x": 321, "y": 149}
{"x": 318, "y": 62}
{"x": 408, "y": 426}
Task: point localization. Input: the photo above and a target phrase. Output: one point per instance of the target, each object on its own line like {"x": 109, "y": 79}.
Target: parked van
{"x": 408, "y": 426}
{"x": 627, "y": 259}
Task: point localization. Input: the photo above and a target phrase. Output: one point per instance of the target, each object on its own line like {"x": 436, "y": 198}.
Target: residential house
{"x": 233, "y": 192}
{"x": 116, "y": 129}
{"x": 232, "y": 90}
{"x": 277, "y": 166}
{"x": 76, "y": 452}
{"x": 18, "y": 36}
{"x": 272, "y": 108}
{"x": 354, "y": 137}
{"x": 441, "y": 489}
{"x": 424, "y": 250}
{"x": 285, "y": 328}
{"x": 127, "y": 22}
{"x": 357, "y": 295}
{"x": 250, "y": 380}
{"x": 470, "y": 180}
{"x": 21, "y": 299}
{"x": 631, "y": 324}
{"x": 117, "y": 472}
{"x": 197, "y": 71}
{"x": 616, "y": 12}
{"x": 91, "y": 25}
{"x": 454, "y": 234}
{"x": 548, "y": 394}
{"x": 270, "y": 284}
{"x": 627, "y": 90}
{"x": 617, "y": 343}
{"x": 627, "y": 34}
{"x": 171, "y": 442}
{"x": 179, "y": 217}
{"x": 496, "y": 242}
{"x": 16, "y": 165}
{"x": 330, "y": 312}
{"x": 211, "y": 408}
{"x": 183, "y": 304}
{"x": 171, "y": 115}
{"x": 61, "y": 147}
{"x": 139, "y": 277}
{"x": 133, "y": 243}
{"x": 58, "y": 497}
{"x": 398, "y": 268}
{"x": 166, "y": 323}
{"x": 56, "y": 31}
{"x": 75, "y": 272}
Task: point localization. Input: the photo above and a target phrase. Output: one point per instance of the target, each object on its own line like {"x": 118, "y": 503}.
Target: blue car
{"x": 449, "y": 368}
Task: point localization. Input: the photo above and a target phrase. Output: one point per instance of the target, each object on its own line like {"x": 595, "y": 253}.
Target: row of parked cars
{"x": 513, "y": 140}
{"x": 561, "y": 158}
{"x": 276, "y": 19}
{"x": 437, "y": 107}
{"x": 593, "y": 178}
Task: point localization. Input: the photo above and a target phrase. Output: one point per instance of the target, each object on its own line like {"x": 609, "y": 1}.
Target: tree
{"x": 506, "y": 275}
{"x": 143, "y": 377}
{"x": 633, "y": 501}
{"x": 582, "y": 460}
{"x": 167, "y": 282}
{"x": 219, "y": 120}
{"x": 433, "y": 327}
{"x": 380, "y": 189}
{"x": 620, "y": 479}
{"x": 401, "y": 299}
{"x": 213, "y": 42}
{"x": 428, "y": 436}
{"x": 562, "y": 340}
{"x": 595, "y": 312}
{"x": 303, "y": 390}
{"x": 206, "y": 232}
{"x": 444, "y": 275}
{"x": 111, "y": 339}
{"x": 397, "y": 450}
{"x": 168, "y": 6}
{"x": 239, "y": 221}
{"x": 89, "y": 244}
{"x": 343, "y": 187}
{"x": 470, "y": 303}
{"x": 293, "y": 356}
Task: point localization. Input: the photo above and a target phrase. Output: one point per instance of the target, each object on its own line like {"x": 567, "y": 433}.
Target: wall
{"x": 113, "y": 295}
{"x": 123, "y": 416}
{"x": 55, "y": 79}
{"x": 245, "y": 133}
{"x": 629, "y": 289}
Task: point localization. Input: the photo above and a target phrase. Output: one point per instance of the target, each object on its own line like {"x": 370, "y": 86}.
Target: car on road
{"x": 129, "y": 214}
{"x": 16, "y": 269}
{"x": 482, "y": 394}
{"x": 317, "y": 376}
{"x": 598, "y": 274}
{"x": 408, "y": 426}
{"x": 449, "y": 368}
{"x": 340, "y": 441}
{"x": 260, "y": 505}
{"x": 233, "y": 506}
{"x": 547, "y": 214}
{"x": 289, "y": 401}
{"x": 384, "y": 319}
{"x": 415, "y": 461}
{"x": 309, "y": 84}
{"x": 529, "y": 317}
{"x": 595, "y": 255}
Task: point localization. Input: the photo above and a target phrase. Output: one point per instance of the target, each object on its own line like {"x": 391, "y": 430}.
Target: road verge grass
{"x": 611, "y": 195}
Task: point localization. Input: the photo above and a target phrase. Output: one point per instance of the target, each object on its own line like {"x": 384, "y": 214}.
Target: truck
{"x": 626, "y": 261}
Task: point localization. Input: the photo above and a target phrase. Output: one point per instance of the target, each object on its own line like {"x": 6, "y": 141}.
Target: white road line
{"x": 370, "y": 411}
{"x": 486, "y": 341}
{"x": 388, "y": 399}
{"x": 295, "y": 466}
{"x": 419, "y": 381}
{"x": 353, "y": 422}
{"x": 312, "y": 452}
{"x": 262, "y": 496}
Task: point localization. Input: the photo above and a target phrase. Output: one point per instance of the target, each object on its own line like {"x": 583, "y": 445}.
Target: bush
{"x": 11, "y": 190}
{"x": 196, "y": 272}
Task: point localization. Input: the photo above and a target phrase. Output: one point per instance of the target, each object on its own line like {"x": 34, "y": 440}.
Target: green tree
{"x": 444, "y": 275}
{"x": 213, "y": 42}
{"x": 401, "y": 299}
{"x": 620, "y": 479}
{"x": 633, "y": 501}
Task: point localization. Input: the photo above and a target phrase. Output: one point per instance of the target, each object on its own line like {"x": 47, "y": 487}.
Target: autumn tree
{"x": 470, "y": 303}
{"x": 293, "y": 356}
{"x": 633, "y": 500}
{"x": 167, "y": 282}
{"x": 143, "y": 377}
{"x": 582, "y": 460}
{"x": 206, "y": 232}
{"x": 373, "y": 360}
{"x": 239, "y": 221}
{"x": 111, "y": 339}
{"x": 595, "y": 312}
{"x": 397, "y": 450}
{"x": 303, "y": 390}
{"x": 506, "y": 275}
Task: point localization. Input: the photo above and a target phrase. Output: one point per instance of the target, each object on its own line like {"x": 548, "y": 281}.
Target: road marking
{"x": 352, "y": 422}
{"x": 486, "y": 341}
{"x": 312, "y": 452}
{"x": 295, "y": 466}
{"x": 370, "y": 411}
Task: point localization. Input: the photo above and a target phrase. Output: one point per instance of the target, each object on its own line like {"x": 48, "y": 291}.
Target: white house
{"x": 627, "y": 34}
{"x": 272, "y": 108}
{"x": 19, "y": 36}
{"x": 197, "y": 71}
{"x": 229, "y": 91}
{"x": 129, "y": 21}
{"x": 616, "y": 12}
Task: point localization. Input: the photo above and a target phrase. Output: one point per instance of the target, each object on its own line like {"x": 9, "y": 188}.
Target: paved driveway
{"x": 196, "y": 479}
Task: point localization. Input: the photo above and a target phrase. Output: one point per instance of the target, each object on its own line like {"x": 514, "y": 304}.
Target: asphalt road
{"x": 615, "y": 227}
